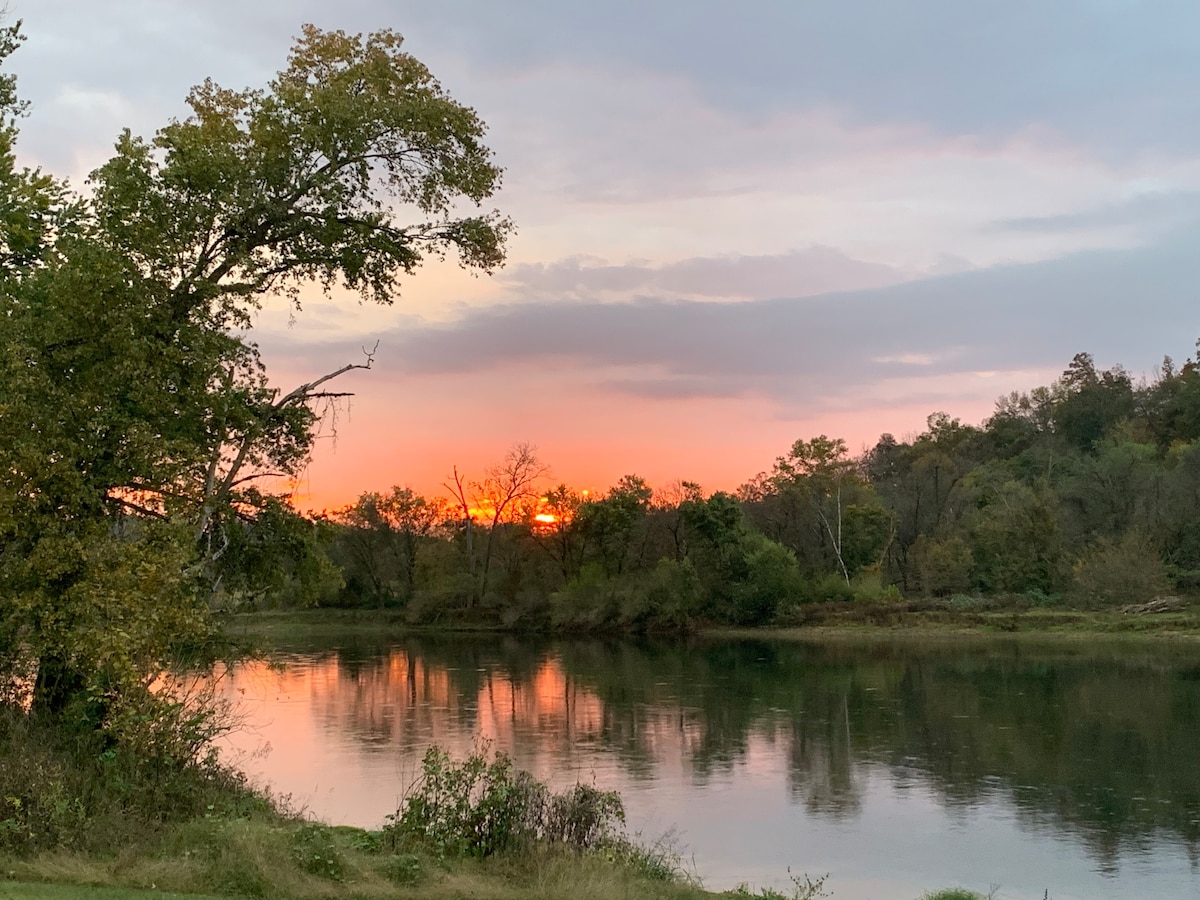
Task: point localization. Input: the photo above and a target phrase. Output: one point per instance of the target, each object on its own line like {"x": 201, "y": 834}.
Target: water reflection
{"x": 1092, "y": 749}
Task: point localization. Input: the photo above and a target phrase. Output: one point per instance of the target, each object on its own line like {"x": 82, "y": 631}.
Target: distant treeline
{"x": 1085, "y": 492}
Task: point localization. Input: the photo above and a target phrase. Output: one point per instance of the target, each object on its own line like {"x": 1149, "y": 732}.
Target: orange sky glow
{"x": 414, "y": 441}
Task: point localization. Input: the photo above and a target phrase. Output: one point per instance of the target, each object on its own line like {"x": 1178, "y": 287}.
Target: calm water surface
{"x": 894, "y": 767}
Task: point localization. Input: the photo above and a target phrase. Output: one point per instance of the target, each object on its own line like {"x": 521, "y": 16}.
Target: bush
{"x": 483, "y": 806}
{"x": 1115, "y": 572}
{"x": 869, "y": 586}
{"x": 942, "y": 566}
{"x": 104, "y": 790}
{"x": 830, "y": 588}
{"x": 772, "y": 579}
{"x": 404, "y": 869}
{"x": 314, "y": 850}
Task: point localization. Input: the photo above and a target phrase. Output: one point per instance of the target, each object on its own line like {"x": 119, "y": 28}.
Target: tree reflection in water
{"x": 1098, "y": 742}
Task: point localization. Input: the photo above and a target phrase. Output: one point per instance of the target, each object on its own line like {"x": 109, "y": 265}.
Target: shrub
{"x": 404, "y": 869}
{"x": 314, "y": 850}
{"x": 830, "y": 588}
{"x": 233, "y": 856}
{"x": 483, "y": 806}
{"x": 581, "y": 817}
{"x": 1125, "y": 571}
{"x": 103, "y": 790}
{"x": 772, "y": 579}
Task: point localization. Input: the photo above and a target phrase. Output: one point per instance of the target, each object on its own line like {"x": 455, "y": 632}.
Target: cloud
{"x": 897, "y": 133}
{"x": 897, "y": 342}
{"x": 800, "y": 273}
{"x": 1151, "y": 210}
{"x": 1119, "y": 75}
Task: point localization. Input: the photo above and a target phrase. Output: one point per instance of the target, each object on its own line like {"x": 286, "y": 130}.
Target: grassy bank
{"x": 988, "y": 615}
{"x": 266, "y": 868}
{"x": 221, "y": 858}
{"x": 81, "y": 808}
{"x": 950, "y": 616}
{"x": 32, "y": 891}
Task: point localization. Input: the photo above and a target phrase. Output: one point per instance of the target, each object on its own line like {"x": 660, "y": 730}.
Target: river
{"x": 1025, "y": 767}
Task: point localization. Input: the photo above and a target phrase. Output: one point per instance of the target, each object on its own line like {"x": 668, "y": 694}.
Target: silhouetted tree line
{"x": 1086, "y": 492}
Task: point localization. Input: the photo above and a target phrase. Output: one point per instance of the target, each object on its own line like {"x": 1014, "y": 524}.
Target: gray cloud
{"x": 801, "y": 273}
{"x": 1123, "y": 306}
{"x": 1161, "y": 209}
{"x": 1120, "y": 77}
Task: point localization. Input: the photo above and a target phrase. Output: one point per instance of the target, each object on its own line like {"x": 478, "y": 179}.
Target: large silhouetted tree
{"x": 136, "y": 413}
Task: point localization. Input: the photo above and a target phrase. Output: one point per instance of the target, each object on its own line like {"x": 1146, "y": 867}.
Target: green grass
{"x": 552, "y": 886}
{"x": 950, "y": 616}
{"x": 239, "y": 858}
{"x": 256, "y": 860}
{"x": 982, "y": 617}
{"x": 26, "y": 891}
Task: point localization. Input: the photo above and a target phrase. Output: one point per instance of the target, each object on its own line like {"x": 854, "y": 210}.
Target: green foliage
{"x": 1120, "y": 572}
{"x": 277, "y": 559}
{"x": 1091, "y": 403}
{"x": 673, "y": 595}
{"x": 404, "y": 869}
{"x": 234, "y": 857}
{"x": 829, "y": 588}
{"x": 1015, "y": 538}
{"x": 380, "y": 541}
{"x": 88, "y": 792}
{"x": 289, "y": 184}
{"x": 137, "y": 414}
{"x": 483, "y": 806}
{"x": 942, "y": 566}
{"x": 1030, "y": 509}
{"x": 316, "y": 852}
{"x": 587, "y": 601}
{"x": 870, "y": 586}
{"x": 656, "y": 861}
{"x": 614, "y": 523}
{"x": 772, "y": 579}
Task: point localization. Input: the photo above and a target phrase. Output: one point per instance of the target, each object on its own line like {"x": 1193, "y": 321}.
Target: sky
{"x": 739, "y": 223}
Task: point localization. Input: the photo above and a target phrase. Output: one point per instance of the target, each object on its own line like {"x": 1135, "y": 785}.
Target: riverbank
{"x": 226, "y": 858}
{"x": 264, "y": 869}
{"x": 259, "y": 873}
{"x": 995, "y": 615}
{"x": 921, "y": 618}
